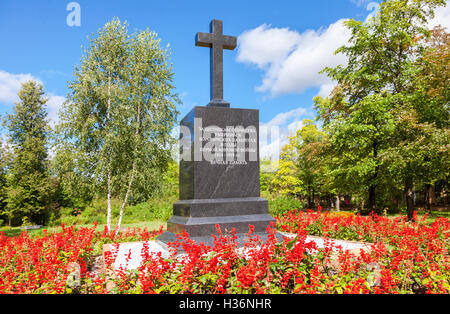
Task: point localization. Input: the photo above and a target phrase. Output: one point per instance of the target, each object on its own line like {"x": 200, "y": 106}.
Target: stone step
{"x": 221, "y": 207}
{"x": 205, "y": 226}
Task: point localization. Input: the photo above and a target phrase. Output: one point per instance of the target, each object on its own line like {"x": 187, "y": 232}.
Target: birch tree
{"x": 119, "y": 113}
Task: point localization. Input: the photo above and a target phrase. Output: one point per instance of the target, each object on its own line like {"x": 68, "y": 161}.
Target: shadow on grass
{"x": 11, "y": 232}
{"x": 436, "y": 214}
{"x": 16, "y": 231}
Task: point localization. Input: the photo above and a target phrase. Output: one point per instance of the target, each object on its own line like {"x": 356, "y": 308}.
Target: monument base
{"x": 219, "y": 176}
{"x": 241, "y": 239}
{"x": 200, "y": 218}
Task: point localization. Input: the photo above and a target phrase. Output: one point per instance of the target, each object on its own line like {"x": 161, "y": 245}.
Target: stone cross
{"x": 217, "y": 42}
{"x": 219, "y": 164}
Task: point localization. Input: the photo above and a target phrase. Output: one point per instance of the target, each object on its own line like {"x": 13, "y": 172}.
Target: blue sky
{"x": 281, "y": 47}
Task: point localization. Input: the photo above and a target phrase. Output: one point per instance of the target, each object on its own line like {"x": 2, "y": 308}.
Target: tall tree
{"x": 433, "y": 83}
{"x": 3, "y": 184}
{"x": 382, "y": 56}
{"x": 308, "y": 143}
{"x": 356, "y": 140}
{"x": 120, "y": 112}
{"x": 430, "y": 94}
{"x": 300, "y": 171}
{"x": 28, "y": 192}
{"x": 285, "y": 180}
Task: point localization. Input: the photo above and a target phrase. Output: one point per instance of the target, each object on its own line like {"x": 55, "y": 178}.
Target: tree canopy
{"x": 116, "y": 123}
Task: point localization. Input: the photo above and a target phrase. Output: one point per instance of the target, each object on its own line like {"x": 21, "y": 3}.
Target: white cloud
{"x": 442, "y": 17}
{"x": 54, "y": 103}
{"x": 264, "y": 45}
{"x": 360, "y": 3}
{"x": 274, "y": 134}
{"x": 10, "y": 85}
{"x": 291, "y": 60}
{"x": 283, "y": 118}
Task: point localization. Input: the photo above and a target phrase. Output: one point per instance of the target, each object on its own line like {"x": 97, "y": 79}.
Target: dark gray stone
{"x": 241, "y": 239}
{"x": 217, "y": 42}
{"x": 219, "y": 164}
{"x": 220, "y": 207}
{"x": 206, "y": 226}
{"x": 225, "y": 193}
{"x": 200, "y": 179}
{"x": 200, "y": 217}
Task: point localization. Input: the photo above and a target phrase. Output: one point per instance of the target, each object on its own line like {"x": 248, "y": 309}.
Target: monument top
{"x": 217, "y": 42}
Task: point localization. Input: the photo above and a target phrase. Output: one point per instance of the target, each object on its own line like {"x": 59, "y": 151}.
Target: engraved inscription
{"x": 227, "y": 146}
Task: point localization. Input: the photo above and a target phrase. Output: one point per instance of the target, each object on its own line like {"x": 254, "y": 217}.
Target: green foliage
{"x": 171, "y": 179}
{"x": 283, "y": 204}
{"x": 30, "y": 190}
{"x": 3, "y": 184}
{"x": 378, "y": 117}
{"x": 286, "y": 181}
{"x": 155, "y": 209}
{"x": 301, "y": 171}
{"x": 118, "y": 117}
{"x": 308, "y": 142}
{"x": 76, "y": 185}
{"x": 355, "y": 142}
{"x": 267, "y": 173}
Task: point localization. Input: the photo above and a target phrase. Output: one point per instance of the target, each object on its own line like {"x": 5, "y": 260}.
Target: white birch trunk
{"x": 126, "y": 198}
{"x": 108, "y": 200}
{"x": 130, "y": 182}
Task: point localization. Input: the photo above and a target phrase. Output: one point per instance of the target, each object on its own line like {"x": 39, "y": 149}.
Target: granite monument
{"x": 219, "y": 162}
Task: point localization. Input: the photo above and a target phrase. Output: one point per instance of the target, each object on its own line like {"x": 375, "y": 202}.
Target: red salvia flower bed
{"x": 404, "y": 257}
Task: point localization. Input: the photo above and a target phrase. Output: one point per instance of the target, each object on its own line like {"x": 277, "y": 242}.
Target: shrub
{"x": 283, "y": 204}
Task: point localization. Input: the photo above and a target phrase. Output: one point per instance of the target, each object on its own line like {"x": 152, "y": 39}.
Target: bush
{"x": 283, "y": 204}
{"x": 162, "y": 211}
{"x": 158, "y": 208}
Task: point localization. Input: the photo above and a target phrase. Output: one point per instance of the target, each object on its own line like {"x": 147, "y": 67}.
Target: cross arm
{"x": 204, "y": 40}
{"x": 229, "y": 42}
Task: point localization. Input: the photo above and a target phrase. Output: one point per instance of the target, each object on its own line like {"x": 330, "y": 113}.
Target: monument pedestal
{"x": 219, "y": 176}
{"x": 219, "y": 164}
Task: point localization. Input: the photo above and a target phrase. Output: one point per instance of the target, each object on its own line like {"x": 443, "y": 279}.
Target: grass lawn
{"x": 150, "y": 225}
{"x": 152, "y": 214}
